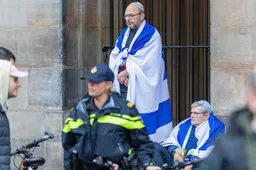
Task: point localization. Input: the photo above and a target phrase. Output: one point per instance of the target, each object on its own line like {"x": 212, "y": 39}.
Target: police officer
{"x": 104, "y": 124}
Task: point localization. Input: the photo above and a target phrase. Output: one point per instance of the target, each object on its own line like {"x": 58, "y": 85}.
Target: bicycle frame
{"x": 28, "y": 161}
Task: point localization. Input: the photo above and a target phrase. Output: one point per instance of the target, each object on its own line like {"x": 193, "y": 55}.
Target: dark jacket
{"x": 237, "y": 149}
{"x": 5, "y": 146}
{"x": 110, "y": 132}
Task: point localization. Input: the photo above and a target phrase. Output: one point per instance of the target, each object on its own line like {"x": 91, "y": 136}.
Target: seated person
{"x": 106, "y": 125}
{"x": 193, "y": 138}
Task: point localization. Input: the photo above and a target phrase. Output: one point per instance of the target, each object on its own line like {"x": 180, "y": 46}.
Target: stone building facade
{"x": 57, "y": 41}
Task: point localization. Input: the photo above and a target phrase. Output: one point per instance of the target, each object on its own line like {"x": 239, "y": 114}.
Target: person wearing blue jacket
{"x": 103, "y": 124}
{"x": 9, "y": 85}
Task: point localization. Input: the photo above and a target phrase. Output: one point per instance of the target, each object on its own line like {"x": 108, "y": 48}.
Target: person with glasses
{"x": 192, "y": 139}
{"x": 105, "y": 125}
{"x": 138, "y": 65}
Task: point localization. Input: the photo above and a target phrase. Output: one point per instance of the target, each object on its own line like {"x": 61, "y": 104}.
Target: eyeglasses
{"x": 196, "y": 113}
{"x": 131, "y": 15}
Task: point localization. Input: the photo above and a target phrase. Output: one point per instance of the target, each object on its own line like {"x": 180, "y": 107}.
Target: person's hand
{"x": 126, "y": 82}
{"x": 189, "y": 167}
{"x": 177, "y": 157}
{"x": 153, "y": 168}
{"x": 122, "y": 76}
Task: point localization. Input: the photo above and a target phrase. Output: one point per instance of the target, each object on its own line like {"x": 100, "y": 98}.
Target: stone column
{"x": 233, "y": 37}
{"x": 86, "y": 32}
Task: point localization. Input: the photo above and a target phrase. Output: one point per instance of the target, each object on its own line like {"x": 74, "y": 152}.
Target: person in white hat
{"x": 140, "y": 76}
{"x": 9, "y": 85}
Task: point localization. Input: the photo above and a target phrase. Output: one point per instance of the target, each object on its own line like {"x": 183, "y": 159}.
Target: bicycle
{"x": 28, "y": 161}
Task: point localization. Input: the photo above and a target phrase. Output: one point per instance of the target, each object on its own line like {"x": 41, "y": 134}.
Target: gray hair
{"x": 205, "y": 106}
{"x": 252, "y": 80}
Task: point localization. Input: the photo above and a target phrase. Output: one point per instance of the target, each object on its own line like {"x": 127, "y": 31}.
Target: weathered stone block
{"x": 51, "y": 167}
{"x": 85, "y": 49}
{"x": 75, "y": 12}
{"x": 54, "y": 152}
{"x": 44, "y": 12}
{"x": 8, "y": 39}
{"x": 72, "y": 51}
{"x": 75, "y": 87}
{"x": 90, "y": 14}
{"x": 85, "y": 33}
{"x": 232, "y": 13}
{"x": 228, "y": 90}
{"x": 54, "y": 124}
{"x": 37, "y": 46}
{"x": 24, "y": 126}
{"x": 45, "y": 88}
{"x": 251, "y": 13}
{"x": 93, "y": 9}
{"x": 93, "y": 52}
{"x": 229, "y": 13}
{"x": 233, "y": 45}
{"x": 13, "y": 13}
{"x": 105, "y": 13}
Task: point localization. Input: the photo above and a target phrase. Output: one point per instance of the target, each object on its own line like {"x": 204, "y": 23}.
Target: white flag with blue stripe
{"x": 148, "y": 87}
{"x": 205, "y": 133}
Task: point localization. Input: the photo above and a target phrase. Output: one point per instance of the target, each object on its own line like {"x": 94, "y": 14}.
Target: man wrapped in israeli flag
{"x": 193, "y": 138}
{"x": 139, "y": 71}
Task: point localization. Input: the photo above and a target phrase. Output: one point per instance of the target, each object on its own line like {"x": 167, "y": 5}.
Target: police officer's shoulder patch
{"x": 130, "y": 105}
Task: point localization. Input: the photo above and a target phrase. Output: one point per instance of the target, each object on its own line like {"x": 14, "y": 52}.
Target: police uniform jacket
{"x": 110, "y": 132}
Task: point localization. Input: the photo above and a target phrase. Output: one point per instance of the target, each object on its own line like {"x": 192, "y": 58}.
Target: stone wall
{"x": 233, "y": 50}
{"x": 56, "y": 42}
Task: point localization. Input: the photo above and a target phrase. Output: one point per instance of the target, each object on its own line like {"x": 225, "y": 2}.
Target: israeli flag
{"x": 205, "y": 133}
{"x": 148, "y": 87}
